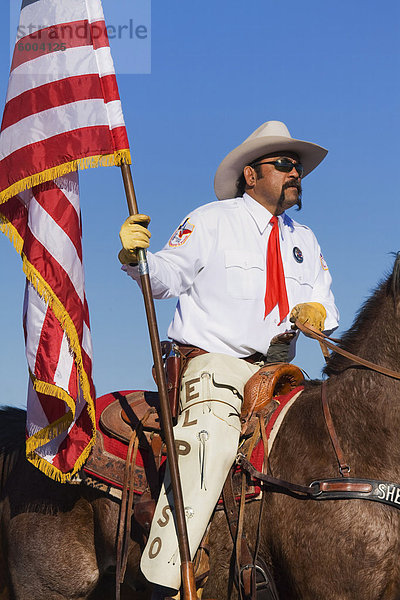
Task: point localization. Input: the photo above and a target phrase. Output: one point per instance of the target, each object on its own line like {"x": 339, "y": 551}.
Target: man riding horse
{"x": 242, "y": 270}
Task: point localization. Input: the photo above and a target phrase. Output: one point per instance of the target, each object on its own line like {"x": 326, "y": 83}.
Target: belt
{"x": 192, "y": 351}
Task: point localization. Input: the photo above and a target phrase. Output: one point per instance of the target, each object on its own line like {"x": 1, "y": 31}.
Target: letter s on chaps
{"x": 164, "y": 513}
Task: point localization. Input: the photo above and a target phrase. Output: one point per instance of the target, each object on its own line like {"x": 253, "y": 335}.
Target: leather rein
{"x": 326, "y": 341}
{"x": 344, "y": 487}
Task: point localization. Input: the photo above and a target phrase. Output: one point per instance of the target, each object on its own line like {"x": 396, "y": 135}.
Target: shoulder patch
{"x": 323, "y": 263}
{"x": 182, "y": 234}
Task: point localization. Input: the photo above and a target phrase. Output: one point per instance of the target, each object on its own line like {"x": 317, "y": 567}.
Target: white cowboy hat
{"x": 269, "y": 137}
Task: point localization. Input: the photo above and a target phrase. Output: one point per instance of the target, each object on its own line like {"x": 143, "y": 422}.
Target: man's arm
{"x": 322, "y": 292}
{"x": 174, "y": 268}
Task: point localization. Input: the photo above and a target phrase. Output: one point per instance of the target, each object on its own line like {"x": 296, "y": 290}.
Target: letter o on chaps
{"x": 155, "y": 547}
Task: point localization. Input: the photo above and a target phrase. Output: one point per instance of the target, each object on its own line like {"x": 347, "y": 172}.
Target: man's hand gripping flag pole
{"x": 187, "y": 570}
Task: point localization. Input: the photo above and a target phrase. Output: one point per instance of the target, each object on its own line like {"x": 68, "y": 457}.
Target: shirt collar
{"x": 262, "y": 216}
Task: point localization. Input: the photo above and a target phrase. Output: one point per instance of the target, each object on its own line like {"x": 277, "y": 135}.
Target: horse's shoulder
{"x": 304, "y": 416}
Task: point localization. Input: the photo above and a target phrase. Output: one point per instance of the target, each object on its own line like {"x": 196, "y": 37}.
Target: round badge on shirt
{"x": 298, "y": 255}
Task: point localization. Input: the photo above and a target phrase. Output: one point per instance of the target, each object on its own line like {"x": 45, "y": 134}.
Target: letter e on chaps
{"x": 191, "y": 394}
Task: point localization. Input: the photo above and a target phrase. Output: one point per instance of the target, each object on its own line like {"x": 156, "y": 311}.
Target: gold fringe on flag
{"x": 118, "y": 158}
{"x": 52, "y": 430}
{"x": 11, "y": 233}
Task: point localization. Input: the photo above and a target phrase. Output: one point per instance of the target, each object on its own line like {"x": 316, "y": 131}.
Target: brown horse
{"x": 58, "y": 541}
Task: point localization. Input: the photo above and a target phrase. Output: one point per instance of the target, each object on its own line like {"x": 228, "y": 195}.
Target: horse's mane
{"x": 367, "y": 314}
{"x": 12, "y": 429}
{"x": 12, "y": 439}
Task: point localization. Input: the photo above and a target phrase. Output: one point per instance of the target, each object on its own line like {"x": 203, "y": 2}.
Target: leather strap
{"x": 343, "y": 466}
{"x": 253, "y": 573}
{"x": 121, "y": 536}
{"x": 264, "y": 582}
{"x": 255, "y": 358}
{"x": 246, "y": 572}
{"x": 254, "y": 578}
{"x": 386, "y": 492}
{"x": 274, "y": 483}
{"x": 189, "y": 352}
{"x": 244, "y": 554}
{"x": 125, "y": 516}
{"x": 314, "y": 333}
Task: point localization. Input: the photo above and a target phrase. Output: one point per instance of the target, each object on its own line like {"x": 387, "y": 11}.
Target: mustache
{"x": 294, "y": 183}
{"x": 289, "y": 184}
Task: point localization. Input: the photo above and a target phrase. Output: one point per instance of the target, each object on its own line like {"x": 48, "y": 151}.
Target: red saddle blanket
{"x": 111, "y": 453}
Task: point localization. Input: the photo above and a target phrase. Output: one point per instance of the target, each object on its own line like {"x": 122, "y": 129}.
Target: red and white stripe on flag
{"x": 63, "y": 110}
{"x": 62, "y": 113}
{"x": 44, "y": 223}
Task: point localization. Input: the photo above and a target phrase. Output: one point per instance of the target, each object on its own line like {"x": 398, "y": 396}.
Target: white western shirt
{"x": 215, "y": 263}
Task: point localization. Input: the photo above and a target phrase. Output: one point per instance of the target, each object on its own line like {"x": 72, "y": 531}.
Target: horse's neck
{"x": 379, "y": 343}
{"x": 364, "y": 403}
{"x": 365, "y": 411}
{"x": 374, "y": 336}
{"x": 363, "y": 396}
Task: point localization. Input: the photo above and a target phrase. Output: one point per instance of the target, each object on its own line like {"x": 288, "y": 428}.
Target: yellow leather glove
{"x": 310, "y": 313}
{"x": 133, "y": 235}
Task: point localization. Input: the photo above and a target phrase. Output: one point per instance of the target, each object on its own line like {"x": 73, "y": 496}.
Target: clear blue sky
{"x": 218, "y": 70}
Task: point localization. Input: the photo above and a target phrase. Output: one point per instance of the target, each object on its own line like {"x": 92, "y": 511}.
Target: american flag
{"x": 62, "y": 113}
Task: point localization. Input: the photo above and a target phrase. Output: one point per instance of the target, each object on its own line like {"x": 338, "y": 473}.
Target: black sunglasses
{"x": 284, "y": 165}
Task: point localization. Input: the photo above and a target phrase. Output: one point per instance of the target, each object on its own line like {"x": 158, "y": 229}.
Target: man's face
{"x": 276, "y": 190}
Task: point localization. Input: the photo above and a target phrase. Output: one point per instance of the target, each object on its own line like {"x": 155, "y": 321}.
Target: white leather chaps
{"x": 207, "y": 435}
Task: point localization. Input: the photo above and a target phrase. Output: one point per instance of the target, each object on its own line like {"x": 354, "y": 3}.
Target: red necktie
{"x": 275, "y": 292}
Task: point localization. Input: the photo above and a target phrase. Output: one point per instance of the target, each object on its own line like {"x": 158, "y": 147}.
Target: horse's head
{"x": 376, "y": 327}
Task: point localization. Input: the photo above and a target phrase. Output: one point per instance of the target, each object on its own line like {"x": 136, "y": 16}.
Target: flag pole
{"x": 187, "y": 571}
